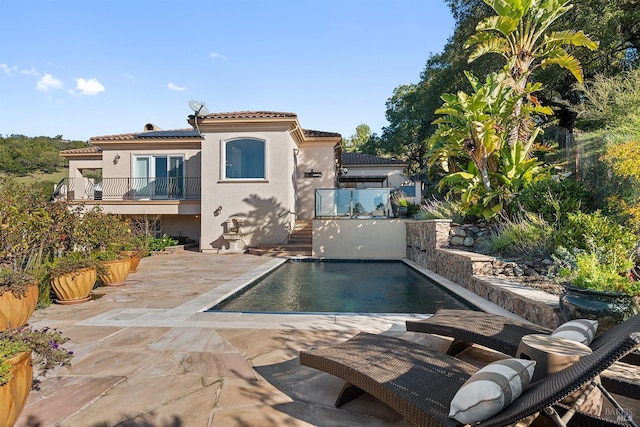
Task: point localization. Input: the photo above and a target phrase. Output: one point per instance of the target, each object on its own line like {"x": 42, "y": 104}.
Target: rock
{"x": 517, "y": 271}
{"x": 457, "y": 241}
{"x": 468, "y": 241}
{"x": 458, "y": 232}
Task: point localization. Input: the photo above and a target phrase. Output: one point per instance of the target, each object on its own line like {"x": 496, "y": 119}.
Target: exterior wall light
{"x": 116, "y": 159}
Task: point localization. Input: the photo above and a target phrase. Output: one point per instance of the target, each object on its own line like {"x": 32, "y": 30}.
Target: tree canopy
{"x": 21, "y": 155}
{"x": 411, "y": 108}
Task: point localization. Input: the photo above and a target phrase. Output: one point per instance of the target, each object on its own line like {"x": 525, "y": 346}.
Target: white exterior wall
{"x": 264, "y": 205}
{"x": 318, "y": 157}
{"x": 360, "y": 239}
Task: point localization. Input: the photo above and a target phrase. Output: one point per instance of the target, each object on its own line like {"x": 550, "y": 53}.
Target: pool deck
{"x": 146, "y": 355}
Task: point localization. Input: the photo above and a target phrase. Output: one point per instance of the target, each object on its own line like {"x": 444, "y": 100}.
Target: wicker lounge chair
{"x": 420, "y": 383}
{"x": 503, "y": 334}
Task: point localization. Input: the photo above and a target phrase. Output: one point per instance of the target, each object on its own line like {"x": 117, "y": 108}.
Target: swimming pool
{"x": 339, "y": 286}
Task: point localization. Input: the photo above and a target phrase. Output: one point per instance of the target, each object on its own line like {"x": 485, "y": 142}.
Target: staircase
{"x": 298, "y": 244}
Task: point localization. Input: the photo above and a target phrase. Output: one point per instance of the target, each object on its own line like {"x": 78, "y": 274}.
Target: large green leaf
{"x": 573, "y": 38}
{"x": 496, "y": 45}
{"x": 502, "y": 24}
{"x": 566, "y": 61}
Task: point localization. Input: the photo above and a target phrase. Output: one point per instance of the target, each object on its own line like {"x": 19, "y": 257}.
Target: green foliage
{"x": 21, "y": 155}
{"x": 527, "y": 237}
{"x": 71, "y": 263}
{"x": 597, "y": 271}
{"x": 15, "y": 282}
{"x": 554, "y": 199}
{"x": 611, "y": 102}
{"x": 595, "y": 232}
{"x": 158, "y": 244}
{"x": 441, "y": 209}
{"x": 356, "y": 142}
{"x": 45, "y": 345}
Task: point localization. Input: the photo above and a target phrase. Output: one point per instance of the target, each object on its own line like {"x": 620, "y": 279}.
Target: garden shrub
{"x": 441, "y": 209}
{"x": 159, "y": 243}
{"x": 527, "y": 237}
{"x": 554, "y": 199}
{"x": 596, "y": 232}
{"x": 589, "y": 270}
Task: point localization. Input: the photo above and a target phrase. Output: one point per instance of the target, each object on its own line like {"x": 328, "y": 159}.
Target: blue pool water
{"x": 343, "y": 287}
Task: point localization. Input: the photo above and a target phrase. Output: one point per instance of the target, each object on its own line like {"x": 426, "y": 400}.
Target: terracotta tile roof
{"x": 154, "y": 134}
{"x": 367, "y": 159}
{"x": 250, "y": 115}
{"x": 119, "y": 137}
{"x": 85, "y": 150}
{"x": 319, "y": 134}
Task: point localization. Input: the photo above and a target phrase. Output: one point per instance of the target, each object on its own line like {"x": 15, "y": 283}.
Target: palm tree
{"x": 520, "y": 34}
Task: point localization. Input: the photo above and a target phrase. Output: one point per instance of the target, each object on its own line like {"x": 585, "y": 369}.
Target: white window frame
{"x": 223, "y": 160}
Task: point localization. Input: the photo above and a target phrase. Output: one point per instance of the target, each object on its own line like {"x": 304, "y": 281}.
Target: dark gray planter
{"x": 608, "y": 308}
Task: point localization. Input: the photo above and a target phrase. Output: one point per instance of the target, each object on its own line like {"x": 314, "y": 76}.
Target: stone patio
{"x": 145, "y": 355}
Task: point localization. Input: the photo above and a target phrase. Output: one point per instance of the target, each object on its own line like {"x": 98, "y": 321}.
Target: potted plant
{"x": 116, "y": 267}
{"x": 18, "y": 297}
{"x": 73, "y": 276}
{"x": 20, "y": 349}
{"x": 598, "y": 287}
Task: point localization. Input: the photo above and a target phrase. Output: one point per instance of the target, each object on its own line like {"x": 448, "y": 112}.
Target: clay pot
{"x": 13, "y": 395}
{"x": 18, "y": 310}
{"x": 73, "y": 288}
{"x": 117, "y": 272}
{"x": 134, "y": 259}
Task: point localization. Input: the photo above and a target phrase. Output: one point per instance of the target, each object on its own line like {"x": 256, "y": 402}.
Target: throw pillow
{"x": 580, "y": 330}
{"x": 491, "y": 389}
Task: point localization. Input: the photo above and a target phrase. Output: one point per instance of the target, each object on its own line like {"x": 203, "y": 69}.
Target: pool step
{"x": 281, "y": 251}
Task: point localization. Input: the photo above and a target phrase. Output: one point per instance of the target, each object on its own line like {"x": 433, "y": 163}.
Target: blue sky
{"x": 89, "y": 68}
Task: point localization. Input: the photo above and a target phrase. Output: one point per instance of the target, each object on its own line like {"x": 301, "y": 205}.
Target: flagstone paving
{"x": 145, "y": 355}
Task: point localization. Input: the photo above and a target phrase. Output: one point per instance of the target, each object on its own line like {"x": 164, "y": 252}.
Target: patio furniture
{"x": 420, "y": 383}
{"x": 504, "y": 334}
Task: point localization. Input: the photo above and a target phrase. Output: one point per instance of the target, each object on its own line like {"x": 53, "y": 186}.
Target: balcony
{"x": 128, "y": 189}
{"x": 353, "y": 203}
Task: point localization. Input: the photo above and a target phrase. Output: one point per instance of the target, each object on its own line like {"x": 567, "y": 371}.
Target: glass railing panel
{"x": 352, "y": 203}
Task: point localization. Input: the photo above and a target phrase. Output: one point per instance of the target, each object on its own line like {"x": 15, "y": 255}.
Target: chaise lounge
{"x": 503, "y": 334}
{"x": 420, "y": 383}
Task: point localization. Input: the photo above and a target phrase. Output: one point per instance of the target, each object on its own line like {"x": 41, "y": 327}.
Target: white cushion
{"x": 491, "y": 389}
{"x": 580, "y": 330}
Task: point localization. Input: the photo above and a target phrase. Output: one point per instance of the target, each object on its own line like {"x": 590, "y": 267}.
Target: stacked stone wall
{"x": 429, "y": 244}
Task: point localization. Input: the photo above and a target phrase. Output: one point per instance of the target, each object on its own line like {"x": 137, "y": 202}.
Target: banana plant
{"x": 472, "y": 125}
{"x": 519, "y": 32}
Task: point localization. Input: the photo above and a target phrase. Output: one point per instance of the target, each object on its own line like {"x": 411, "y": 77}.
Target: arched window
{"x": 244, "y": 159}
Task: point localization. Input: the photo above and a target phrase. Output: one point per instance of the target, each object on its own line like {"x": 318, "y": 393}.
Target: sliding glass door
{"x": 159, "y": 177}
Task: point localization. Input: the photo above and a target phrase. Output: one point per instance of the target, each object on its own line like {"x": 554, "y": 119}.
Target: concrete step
{"x": 282, "y": 250}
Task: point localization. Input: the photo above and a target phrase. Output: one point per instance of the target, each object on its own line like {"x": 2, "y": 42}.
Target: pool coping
{"x": 192, "y": 313}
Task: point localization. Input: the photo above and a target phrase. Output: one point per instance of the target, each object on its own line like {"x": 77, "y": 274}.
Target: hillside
{"x": 21, "y": 155}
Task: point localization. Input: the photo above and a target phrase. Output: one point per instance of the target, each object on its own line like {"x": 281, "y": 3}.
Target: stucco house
{"x": 259, "y": 170}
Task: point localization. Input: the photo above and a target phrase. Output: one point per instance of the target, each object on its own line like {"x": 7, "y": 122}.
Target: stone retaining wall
{"x": 428, "y": 244}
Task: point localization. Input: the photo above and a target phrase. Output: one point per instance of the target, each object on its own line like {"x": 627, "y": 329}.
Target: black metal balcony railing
{"x": 130, "y": 189}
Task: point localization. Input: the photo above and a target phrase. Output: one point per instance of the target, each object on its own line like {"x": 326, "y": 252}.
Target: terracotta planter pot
{"x": 117, "y": 272}
{"x": 74, "y": 287}
{"x": 134, "y": 260}
{"x": 18, "y": 310}
{"x": 608, "y": 308}
{"x": 13, "y": 395}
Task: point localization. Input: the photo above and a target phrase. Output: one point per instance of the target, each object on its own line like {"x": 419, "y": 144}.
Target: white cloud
{"x": 89, "y": 87}
{"x": 30, "y": 72}
{"x": 48, "y": 82}
{"x": 216, "y": 55}
{"x": 7, "y": 69}
{"x": 171, "y": 86}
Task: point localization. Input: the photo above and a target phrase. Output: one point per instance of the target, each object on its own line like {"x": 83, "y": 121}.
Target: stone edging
{"x": 427, "y": 245}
